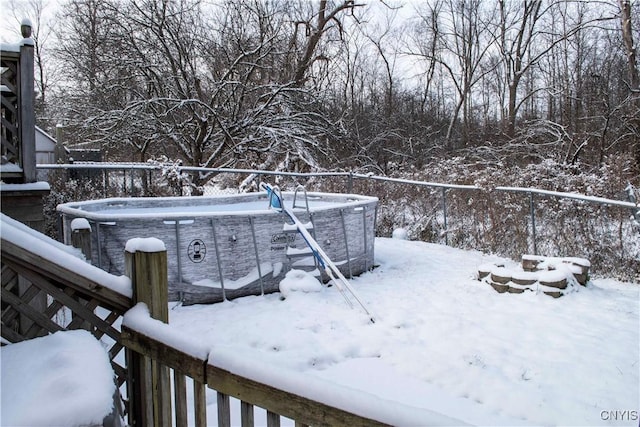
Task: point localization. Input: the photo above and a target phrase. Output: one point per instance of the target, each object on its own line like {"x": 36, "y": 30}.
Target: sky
{"x": 11, "y": 15}
{"x": 12, "y": 12}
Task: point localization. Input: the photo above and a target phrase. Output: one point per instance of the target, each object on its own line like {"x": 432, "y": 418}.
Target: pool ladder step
{"x": 291, "y": 228}
{"x": 297, "y": 255}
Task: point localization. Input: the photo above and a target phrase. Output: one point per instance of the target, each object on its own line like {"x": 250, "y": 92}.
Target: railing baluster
{"x": 246, "y": 414}
{"x": 163, "y": 409}
{"x": 145, "y": 379}
{"x": 273, "y": 419}
{"x": 224, "y": 410}
{"x": 200, "y": 403}
{"x": 444, "y": 215}
{"x": 180, "y": 387}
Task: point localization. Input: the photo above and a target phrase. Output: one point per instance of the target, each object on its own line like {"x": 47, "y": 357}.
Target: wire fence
{"x": 509, "y": 221}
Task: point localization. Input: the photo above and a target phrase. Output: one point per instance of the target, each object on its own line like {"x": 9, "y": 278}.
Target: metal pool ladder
{"x": 322, "y": 259}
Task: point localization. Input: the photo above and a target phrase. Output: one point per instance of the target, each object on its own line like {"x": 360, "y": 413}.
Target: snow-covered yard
{"x": 442, "y": 342}
{"x": 445, "y": 342}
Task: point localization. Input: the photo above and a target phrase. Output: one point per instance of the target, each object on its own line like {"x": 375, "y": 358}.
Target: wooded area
{"x": 327, "y": 84}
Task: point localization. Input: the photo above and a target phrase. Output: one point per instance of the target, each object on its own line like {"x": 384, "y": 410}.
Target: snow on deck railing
{"x": 21, "y": 236}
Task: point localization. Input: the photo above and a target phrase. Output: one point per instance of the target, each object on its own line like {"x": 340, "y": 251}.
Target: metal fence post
{"x": 532, "y": 211}
{"x": 444, "y": 212}
{"x": 350, "y": 183}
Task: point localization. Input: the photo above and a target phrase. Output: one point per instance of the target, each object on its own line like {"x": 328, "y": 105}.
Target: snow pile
{"x": 299, "y": 281}
{"x": 400, "y": 233}
{"x": 145, "y": 244}
{"x": 80, "y": 224}
{"x": 444, "y": 342}
{"x": 64, "y": 379}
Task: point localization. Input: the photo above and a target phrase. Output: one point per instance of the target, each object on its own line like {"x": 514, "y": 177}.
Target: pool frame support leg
{"x": 346, "y": 242}
{"x": 215, "y": 243}
{"x": 255, "y": 247}
{"x": 364, "y": 236}
{"x": 98, "y": 244}
{"x": 178, "y": 251}
{"x": 375, "y": 221}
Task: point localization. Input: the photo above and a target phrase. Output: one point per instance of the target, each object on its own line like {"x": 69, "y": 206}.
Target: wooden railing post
{"x": 81, "y": 239}
{"x": 149, "y": 381}
{"x": 81, "y": 236}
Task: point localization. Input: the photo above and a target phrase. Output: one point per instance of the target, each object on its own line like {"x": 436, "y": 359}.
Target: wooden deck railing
{"x": 72, "y": 301}
{"x": 92, "y": 304}
{"x": 205, "y": 373}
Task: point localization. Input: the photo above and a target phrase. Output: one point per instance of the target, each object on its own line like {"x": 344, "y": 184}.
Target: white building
{"x": 45, "y": 147}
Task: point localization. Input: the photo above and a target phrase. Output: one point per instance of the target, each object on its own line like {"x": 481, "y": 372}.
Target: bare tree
{"x": 43, "y": 27}
{"x": 458, "y": 42}
{"x": 634, "y": 80}
{"x": 310, "y": 30}
{"x": 204, "y": 83}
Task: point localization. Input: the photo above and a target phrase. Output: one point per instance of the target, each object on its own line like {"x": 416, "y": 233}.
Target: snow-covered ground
{"x": 445, "y": 342}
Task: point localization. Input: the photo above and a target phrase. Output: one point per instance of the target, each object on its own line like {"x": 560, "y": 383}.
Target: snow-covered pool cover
{"x": 173, "y": 207}
{"x": 64, "y": 379}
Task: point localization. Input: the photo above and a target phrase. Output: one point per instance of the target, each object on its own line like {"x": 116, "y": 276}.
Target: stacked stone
{"x": 551, "y": 275}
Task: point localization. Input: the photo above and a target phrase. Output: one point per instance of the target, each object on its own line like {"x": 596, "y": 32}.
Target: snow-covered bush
{"x": 63, "y": 190}
{"x": 171, "y": 181}
{"x": 499, "y": 221}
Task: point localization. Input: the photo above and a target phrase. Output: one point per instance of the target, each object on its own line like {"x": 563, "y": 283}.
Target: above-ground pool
{"x": 230, "y": 246}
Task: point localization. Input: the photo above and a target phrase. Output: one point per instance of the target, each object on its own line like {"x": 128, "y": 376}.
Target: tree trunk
{"x": 634, "y": 81}
{"x": 627, "y": 38}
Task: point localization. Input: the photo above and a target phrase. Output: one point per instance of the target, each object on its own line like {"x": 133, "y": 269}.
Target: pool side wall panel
{"x": 193, "y": 255}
